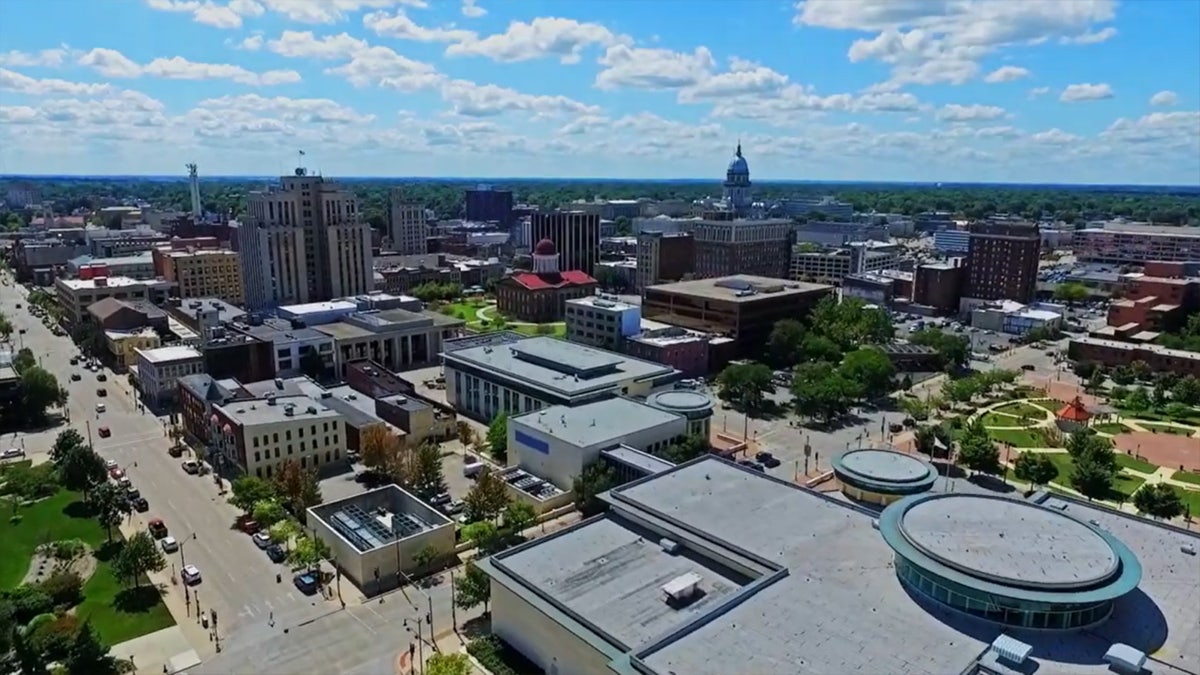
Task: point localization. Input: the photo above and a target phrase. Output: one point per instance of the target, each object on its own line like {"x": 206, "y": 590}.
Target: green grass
{"x": 117, "y": 613}
{"x": 559, "y": 329}
{"x": 1021, "y": 438}
{"x": 1123, "y": 484}
{"x": 1113, "y": 428}
{"x": 1134, "y": 464}
{"x": 463, "y": 310}
{"x": 994, "y": 419}
{"x": 1191, "y": 499}
{"x": 1168, "y": 429}
{"x": 1035, "y": 413}
{"x": 1187, "y": 477}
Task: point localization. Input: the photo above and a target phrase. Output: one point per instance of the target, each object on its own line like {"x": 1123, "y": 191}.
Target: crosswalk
{"x": 119, "y": 442}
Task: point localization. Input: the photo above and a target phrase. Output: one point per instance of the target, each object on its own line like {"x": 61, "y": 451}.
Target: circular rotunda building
{"x": 882, "y": 476}
{"x": 696, "y": 406}
{"x": 1008, "y": 561}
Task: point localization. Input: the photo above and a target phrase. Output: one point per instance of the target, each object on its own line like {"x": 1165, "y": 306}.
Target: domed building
{"x": 737, "y": 186}
{"x": 540, "y": 296}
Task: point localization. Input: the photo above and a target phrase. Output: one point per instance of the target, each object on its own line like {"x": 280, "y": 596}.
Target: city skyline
{"x": 953, "y": 91}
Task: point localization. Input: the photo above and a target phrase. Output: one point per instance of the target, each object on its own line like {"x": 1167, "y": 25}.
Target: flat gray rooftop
{"x": 885, "y": 465}
{"x": 597, "y": 424}
{"x": 636, "y": 458}
{"x": 841, "y": 609}
{"x": 612, "y": 572}
{"x": 1009, "y": 541}
{"x": 564, "y": 368}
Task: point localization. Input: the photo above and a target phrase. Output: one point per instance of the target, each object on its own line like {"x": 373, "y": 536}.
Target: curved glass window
{"x": 1000, "y": 609}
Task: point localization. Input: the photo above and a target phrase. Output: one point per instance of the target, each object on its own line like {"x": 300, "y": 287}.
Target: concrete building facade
{"x": 76, "y": 295}
{"x": 664, "y": 257}
{"x": 602, "y": 321}
{"x": 203, "y": 273}
{"x": 755, "y": 247}
{"x": 159, "y": 370}
{"x": 407, "y": 230}
{"x": 1002, "y": 262}
{"x": 575, "y": 234}
{"x": 260, "y": 434}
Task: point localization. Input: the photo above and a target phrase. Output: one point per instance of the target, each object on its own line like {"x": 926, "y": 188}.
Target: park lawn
{"x": 116, "y": 613}
{"x": 51, "y": 519}
{"x": 1112, "y": 428}
{"x": 463, "y": 310}
{"x": 1187, "y": 477}
{"x": 1020, "y": 438}
{"x": 1168, "y": 429}
{"x": 1191, "y": 499}
{"x": 1035, "y": 413}
{"x": 1123, "y": 485}
{"x": 1134, "y": 464}
{"x": 555, "y": 330}
{"x": 994, "y": 419}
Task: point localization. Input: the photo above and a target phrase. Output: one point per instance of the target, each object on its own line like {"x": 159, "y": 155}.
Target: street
{"x": 238, "y": 580}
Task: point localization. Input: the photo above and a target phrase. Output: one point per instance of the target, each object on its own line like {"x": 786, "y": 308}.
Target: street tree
{"x": 933, "y": 440}
{"x": 977, "y": 451}
{"x": 851, "y": 323}
{"x": 1084, "y": 369}
{"x": 466, "y": 434}
{"x": 1071, "y": 292}
{"x": 267, "y": 512}
{"x": 87, "y": 655}
{"x": 953, "y": 350}
{"x": 690, "y": 447}
{"x": 1186, "y": 391}
{"x": 786, "y": 343}
{"x": 425, "y": 477}
{"x": 870, "y": 371}
{"x": 379, "y": 447}
{"x": 745, "y": 385}
{"x": 110, "y": 506}
{"x": 820, "y": 348}
{"x": 595, "y": 478}
{"x": 473, "y": 588}
{"x": 6, "y": 327}
{"x": 448, "y": 664}
{"x": 40, "y": 390}
{"x": 426, "y": 557}
{"x": 308, "y": 553}
{"x": 487, "y": 498}
{"x": 1092, "y": 477}
{"x": 485, "y": 534}
{"x": 518, "y": 516}
{"x": 1034, "y": 468}
{"x": 820, "y": 391}
{"x": 497, "y": 437}
{"x": 139, "y": 556}
{"x": 297, "y": 487}
{"x": 81, "y": 469}
{"x": 250, "y": 490}
{"x": 1095, "y": 381}
{"x": 66, "y": 442}
{"x": 283, "y": 531}
{"x": 1158, "y": 500}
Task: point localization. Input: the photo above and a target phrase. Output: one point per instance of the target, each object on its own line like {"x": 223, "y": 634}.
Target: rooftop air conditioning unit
{"x": 289, "y": 411}
{"x": 681, "y": 588}
{"x": 326, "y": 394}
{"x": 669, "y": 545}
{"x": 312, "y": 410}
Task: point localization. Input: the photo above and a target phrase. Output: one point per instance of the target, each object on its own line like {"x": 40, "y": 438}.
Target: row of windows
{"x": 266, "y": 471}
{"x": 274, "y": 438}
{"x": 267, "y": 453}
{"x": 999, "y": 609}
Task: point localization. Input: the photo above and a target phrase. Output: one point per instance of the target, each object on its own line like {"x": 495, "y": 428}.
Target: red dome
{"x": 545, "y": 247}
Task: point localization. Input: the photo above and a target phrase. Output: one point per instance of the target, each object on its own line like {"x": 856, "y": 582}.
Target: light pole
{"x": 182, "y": 562}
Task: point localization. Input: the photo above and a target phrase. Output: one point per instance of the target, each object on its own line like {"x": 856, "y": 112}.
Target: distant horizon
{"x": 512, "y": 179}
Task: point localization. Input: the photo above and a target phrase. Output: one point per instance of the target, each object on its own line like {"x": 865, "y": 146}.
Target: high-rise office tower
{"x": 485, "y": 203}
{"x": 406, "y": 225}
{"x": 576, "y": 235}
{"x": 1002, "y": 261}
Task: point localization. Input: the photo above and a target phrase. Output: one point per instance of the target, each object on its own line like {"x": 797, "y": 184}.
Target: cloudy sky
{"x": 1085, "y": 91}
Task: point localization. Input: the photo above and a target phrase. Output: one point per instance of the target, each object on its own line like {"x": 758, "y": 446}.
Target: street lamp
{"x": 182, "y": 562}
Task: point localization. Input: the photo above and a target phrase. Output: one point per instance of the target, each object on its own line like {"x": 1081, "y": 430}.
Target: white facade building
{"x": 259, "y": 435}
{"x": 159, "y": 370}
{"x": 407, "y": 228}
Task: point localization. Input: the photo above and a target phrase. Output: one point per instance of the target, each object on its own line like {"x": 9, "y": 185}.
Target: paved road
{"x": 238, "y": 578}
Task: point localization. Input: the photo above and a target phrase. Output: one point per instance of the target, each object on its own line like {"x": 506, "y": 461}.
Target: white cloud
{"x": 543, "y": 37}
{"x": 969, "y": 113}
{"x": 1038, "y": 92}
{"x": 584, "y": 124}
{"x": 400, "y": 27}
{"x": 942, "y": 41}
{"x": 641, "y": 68}
{"x": 1086, "y": 92}
{"x": 330, "y": 11}
{"x": 228, "y": 15}
{"x": 46, "y": 58}
{"x": 1006, "y": 74}
{"x": 1054, "y": 137}
{"x": 744, "y": 78}
{"x": 23, "y": 84}
{"x": 306, "y": 110}
{"x": 1091, "y": 37}
{"x": 111, "y": 63}
{"x": 295, "y": 44}
{"x": 484, "y": 100}
{"x": 1175, "y": 129}
{"x": 1164, "y": 98}
{"x": 251, "y": 44}
{"x": 382, "y": 67}
{"x": 471, "y": 10}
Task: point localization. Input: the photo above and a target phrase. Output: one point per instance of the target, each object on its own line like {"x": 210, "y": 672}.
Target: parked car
{"x": 116, "y": 473}
{"x": 101, "y": 392}
{"x": 767, "y": 459}
{"x": 454, "y": 507}
{"x": 132, "y": 493}
{"x": 190, "y": 574}
{"x": 104, "y": 432}
{"x": 101, "y": 377}
{"x": 75, "y": 377}
{"x": 307, "y": 582}
{"x": 175, "y": 451}
{"x": 158, "y": 529}
{"x": 276, "y": 553}
{"x": 12, "y": 453}
{"x": 169, "y": 545}
{"x": 247, "y": 524}
{"x": 190, "y": 466}
{"x": 100, "y": 407}
{"x": 441, "y": 498}
{"x": 140, "y": 505}
{"x": 262, "y": 539}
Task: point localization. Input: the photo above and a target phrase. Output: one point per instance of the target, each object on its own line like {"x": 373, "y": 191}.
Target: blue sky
{"x": 1088, "y": 91}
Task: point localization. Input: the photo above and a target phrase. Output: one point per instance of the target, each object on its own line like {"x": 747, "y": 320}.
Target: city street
{"x": 238, "y": 578}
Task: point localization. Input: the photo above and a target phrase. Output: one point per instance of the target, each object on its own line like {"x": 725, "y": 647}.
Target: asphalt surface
{"x": 238, "y": 580}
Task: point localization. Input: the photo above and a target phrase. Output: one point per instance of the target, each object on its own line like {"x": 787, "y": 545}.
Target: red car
{"x": 104, "y": 432}
{"x": 116, "y": 473}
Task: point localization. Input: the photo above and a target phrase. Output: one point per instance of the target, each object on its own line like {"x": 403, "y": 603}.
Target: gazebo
{"x": 1073, "y": 416}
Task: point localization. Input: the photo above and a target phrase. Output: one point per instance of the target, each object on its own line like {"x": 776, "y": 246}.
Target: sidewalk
{"x": 149, "y": 653}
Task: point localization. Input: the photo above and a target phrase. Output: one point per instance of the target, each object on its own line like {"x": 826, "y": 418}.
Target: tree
{"x": 6, "y": 327}
{"x": 690, "y": 447}
{"x": 954, "y": 351}
{"x": 110, "y": 506}
{"x": 976, "y": 451}
{"x": 138, "y": 556}
{"x": 1160, "y": 395}
{"x": 786, "y": 343}
{"x": 1141, "y": 370}
{"x": 1094, "y": 466}
{"x": 933, "y": 440}
{"x": 28, "y": 656}
{"x": 474, "y": 588}
{"x": 39, "y": 391}
{"x": 298, "y": 487}
{"x": 1186, "y": 391}
{"x": 1095, "y": 381}
{"x": 250, "y": 490}
{"x": 1034, "y": 468}
{"x": 850, "y": 324}
{"x": 745, "y": 385}
{"x": 819, "y": 348}
{"x": 487, "y": 498}
{"x": 283, "y": 531}
{"x": 81, "y": 469}
{"x": 870, "y": 371}
{"x": 1158, "y": 500}
{"x": 485, "y": 534}
{"x": 1084, "y": 369}
{"x": 1138, "y": 400}
{"x": 448, "y": 664}
{"x": 66, "y": 442}
{"x": 308, "y": 553}
{"x": 1071, "y": 293}
{"x": 426, "y": 557}
{"x": 820, "y": 391}
{"x": 466, "y": 434}
{"x": 24, "y": 360}
{"x": 425, "y": 477}
{"x": 1123, "y": 376}
{"x": 595, "y": 479}
{"x": 380, "y": 448}
{"x": 497, "y": 437}
{"x": 518, "y": 516}
{"x": 87, "y": 654}
{"x": 267, "y": 512}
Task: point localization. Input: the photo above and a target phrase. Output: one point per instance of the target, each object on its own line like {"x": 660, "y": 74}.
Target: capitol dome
{"x": 738, "y": 163}
{"x": 545, "y": 247}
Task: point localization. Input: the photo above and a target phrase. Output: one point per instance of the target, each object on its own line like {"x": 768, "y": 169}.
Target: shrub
{"x": 64, "y": 588}
{"x": 28, "y": 601}
{"x": 67, "y": 549}
{"x": 53, "y": 638}
{"x": 498, "y": 658}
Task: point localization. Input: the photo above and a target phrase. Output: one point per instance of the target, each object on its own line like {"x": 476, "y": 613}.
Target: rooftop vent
{"x": 312, "y": 410}
{"x": 289, "y": 412}
{"x": 1188, "y": 549}
{"x": 270, "y": 399}
{"x": 669, "y": 545}
{"x": 682, "y": 588}
{"x": 327, "y": 394}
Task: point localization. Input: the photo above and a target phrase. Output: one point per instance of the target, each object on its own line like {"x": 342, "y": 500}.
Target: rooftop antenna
{"x": 194, "y": 188}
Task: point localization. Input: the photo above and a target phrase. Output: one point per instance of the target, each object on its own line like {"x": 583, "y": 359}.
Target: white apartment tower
{"x": 406, "y": 225}
{"x": 311, "y": 243}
